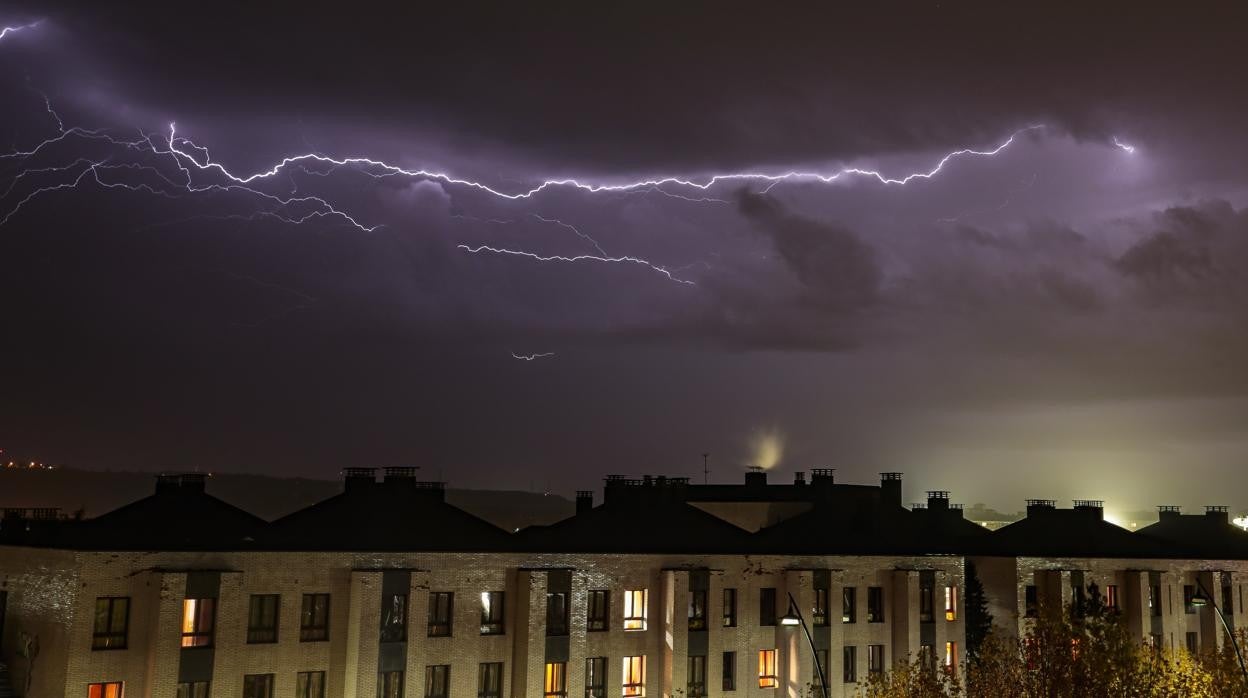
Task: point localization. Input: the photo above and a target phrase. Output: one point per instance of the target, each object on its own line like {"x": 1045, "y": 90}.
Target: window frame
{"x": 819, "y": 614}
{"x": 310, "y": 630}
{"x": 259, "y": 634}
{"x": 875, "y": 604}
{"x": 266, "y": 682}
{"x": 875, "y": 660}
{"x": 103, "y": 687}
{"x": 191, "y": 689}
{"x": 391, "y": 684}
{"x": 557, "y": 615}
{"x": 493, "y": 613}
{"x": 598, "y": 615}
{"x": 768, "y": 677}
{"x": 101, "y": 639}
{"x": 194, "y": 635}
{"x": 696, "y": 676}
{"x": 437, "y": 676}
{"x": 441, "y": 625}
{"x": 304, "y": 684}
{"x": 486, "y": 671}
{"x": 849, "y": 664}
{"x": 697, "y": 609}
{"x": 951, "y": 602}
{"x": 728, "y": 671}
{"x": 849, "y": 604}
{"x": 394, "y": 618}
{"x": 633, "y": 598}
{"x": 634, "y": 668}
{"x": 730, "y": 607}
{"x": 767, "y": 610}
{"x": 595, "y": 677}
{"x": 555, "y": 680}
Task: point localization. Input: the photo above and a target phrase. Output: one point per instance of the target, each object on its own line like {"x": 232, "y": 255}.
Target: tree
{"x": 978, "y": 618}
{"x": 916, "y": 678}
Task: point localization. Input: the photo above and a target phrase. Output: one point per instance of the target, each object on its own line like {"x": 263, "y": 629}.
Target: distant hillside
{"x": 268, "y": 497}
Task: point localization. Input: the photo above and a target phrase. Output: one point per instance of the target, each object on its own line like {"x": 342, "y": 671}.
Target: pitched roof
{"x": 1080, "y": 532}
{"x": 1200, "y": 536}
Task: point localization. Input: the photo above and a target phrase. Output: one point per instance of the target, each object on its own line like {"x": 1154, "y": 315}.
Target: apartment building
{"x": 663, "y": 589}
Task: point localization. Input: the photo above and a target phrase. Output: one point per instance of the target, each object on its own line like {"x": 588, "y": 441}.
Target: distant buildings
{"x": 666, "y": 588}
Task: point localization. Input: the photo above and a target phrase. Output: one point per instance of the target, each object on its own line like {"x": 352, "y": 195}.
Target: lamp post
{"x": 1205, "y": 598}
{"x": 794, "y": 617}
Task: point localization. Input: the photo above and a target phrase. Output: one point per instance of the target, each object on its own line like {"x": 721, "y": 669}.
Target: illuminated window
{"x": 492, "y": 613}
{"x": 112, "y": 623}
{"x": 875, "y": 659}
{"x": 441, "y": 610}
{"x": 314, "y": 618}
{"x": 767, "y": 669}
{"x": 599, "y": 610}
{"x": 820, "y": 614}
{"x": 394, "y": 618}
{"x": 634, "y": 677}
{"x": 258, "y": 686}
{"x": 192, "y": 689}
{"x": 730, "y": 671}
{"x": 697, "y": 609}
{"x": 556, "y": 614}
{"x": 262, "y": 619}
{"x": 635, "y": 609}
{"x": 490, "y": 680}
{"x": 951, "y": 602}
{"x": 556, "y": 680}
{"x": 310, "y": 684}
{"x": 437, "y": 681}
{"x": 197, "y": 621}
{"x": 767, "y": 606}
{"x": 390, "y": 684}
{"x": 849, "y": 605}
{"x": 104, "y": 690}
{"x": 1111, "y": 597}
{"x": 951, "y": 657}
{"x": 849, "y": 664}
{"x": 596, "y": 677}
{"x": 697, "y": 676}
{"x": 730, "y": 608}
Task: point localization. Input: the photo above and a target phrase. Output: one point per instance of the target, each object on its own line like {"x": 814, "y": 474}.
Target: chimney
{"x": 355, "y": 479}
{"x": 890, "y": 488}
{"x": 1093, "y": 507}
{"x": 584, "y": 501}
{"x": 755, "y": 477}
{"x": 1040, "y": 507}
{"x": 799, "y": 478}
{"x": 180, "y": 482}
{"x": 1218, "y": 514}
{"x": 1166, "y": 512}
{"x": 399, "y": 477}
{"x": 938, "y": 499}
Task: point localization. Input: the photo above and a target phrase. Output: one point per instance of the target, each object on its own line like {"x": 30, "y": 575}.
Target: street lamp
{"x": 1203, "y": 598}
{"x": 794, "y": 617}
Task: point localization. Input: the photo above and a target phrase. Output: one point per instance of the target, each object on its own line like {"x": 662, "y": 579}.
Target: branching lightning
{"x": 5, "y": 31}
{"x": 487, "y": 249}
{"x": 531, "y": 357}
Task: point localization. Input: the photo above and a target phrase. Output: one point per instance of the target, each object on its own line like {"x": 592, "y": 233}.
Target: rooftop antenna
{"x": 706, "y": 469}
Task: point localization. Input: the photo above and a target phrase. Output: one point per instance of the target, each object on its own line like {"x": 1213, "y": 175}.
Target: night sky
{"x": 1066, "y": 317}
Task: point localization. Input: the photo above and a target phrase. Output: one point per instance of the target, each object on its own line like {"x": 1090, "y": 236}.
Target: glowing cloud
{"x": 766, "y": 448}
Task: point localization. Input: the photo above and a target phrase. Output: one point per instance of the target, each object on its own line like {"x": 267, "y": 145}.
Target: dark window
{"x": 437, "y": 681}
{"x": 556, "y": 613}
{"x": 599, "y": 610}
{"x": 1193, "y": 643}
{"x": 390, "y": 684}
{"x": 730, "y": 608}
{"x": 198, "y": 618}
{"x": 875, "y": 659}
{"x": 927, "y": 599}
{"x": 697, "y": 676}
{"x": 258, "y": 686}
{"x": 394, "y": 618}
{"x": 441, "y": 610}
{"x": 1157, "y": 642}
{"x": 112, "y": 623}
{"x": 490, "y": 680}
{"x": 767, "y": 606}
{"x": 1031, "y": 599}
{"x": 193, "y": 689}
{"x": 820, "y": 614}
{"x": 314, "y": 618}
{"x": 875, "y": 604}
{"x": 262, "y": 618}
{"x": 596, "y": 677}
{"x": 1189, "y": 593}
{"x": 849, "y": 664}
{"x": 112, "y": 689}
{"x": 697, "y": 609}
{"x": 492, "y": 613}
{"x": 556, "y": 683}
{"x": 1228, "y": 605}
{"x": 310, "y": 684}
{"x": 730, "y": 671}
{"x": 849, "y": 604}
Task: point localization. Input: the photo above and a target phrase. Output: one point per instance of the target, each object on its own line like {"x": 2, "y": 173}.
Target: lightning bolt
{"x": 531, "y": 357}
{"x": 5, "y": 31}
{"x": 1124, "y": 146}
{"x": 577, "y": 258}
